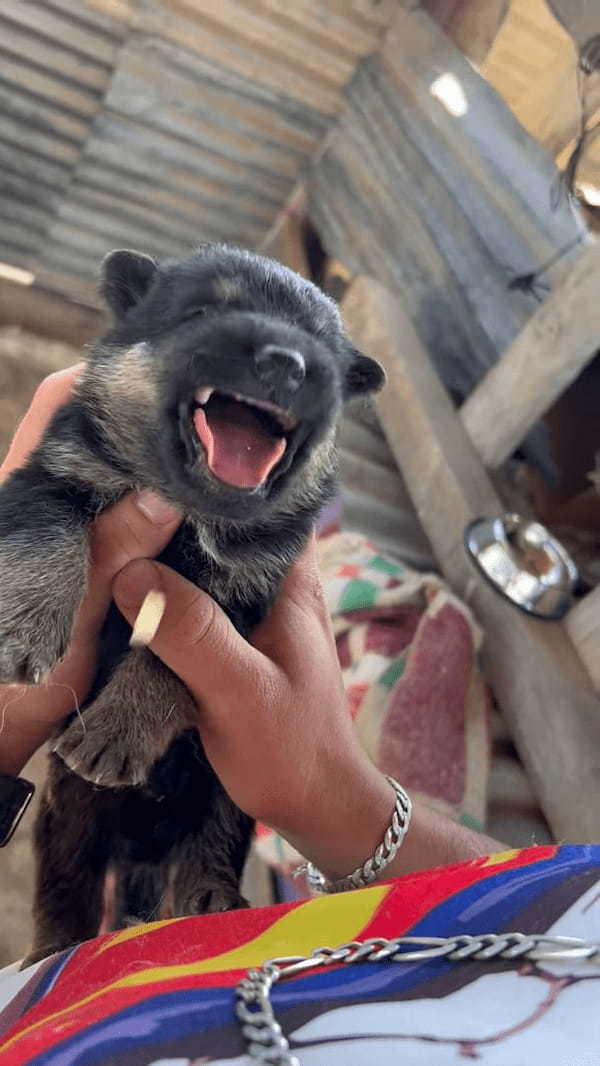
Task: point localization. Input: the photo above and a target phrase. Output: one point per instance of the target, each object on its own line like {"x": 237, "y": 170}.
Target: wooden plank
{"x": 533, "y": 64}
{"x": 285, "y": 240}
{"x": 472, "y": 24}
{"x": 583, "y": 625}
{"x": 549, "y": 353}
{"x": 538, "y": 679}
{"x": 579, "y": 18}
{"x": 47, "y": 315}
{"x": 74, "y": 288}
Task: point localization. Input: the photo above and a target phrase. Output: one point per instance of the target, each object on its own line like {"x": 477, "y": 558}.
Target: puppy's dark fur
{"x": 129, "y": 785}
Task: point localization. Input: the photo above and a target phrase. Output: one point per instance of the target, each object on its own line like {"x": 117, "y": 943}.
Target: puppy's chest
{"x": 244, "y": 583}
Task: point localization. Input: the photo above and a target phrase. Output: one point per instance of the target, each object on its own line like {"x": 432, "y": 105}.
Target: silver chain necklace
{"x": 264, "y": 1039}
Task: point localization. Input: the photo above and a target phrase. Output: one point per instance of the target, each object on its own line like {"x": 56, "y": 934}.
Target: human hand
{"x": 137, "y": 526}
{"x": 272, "y": 714}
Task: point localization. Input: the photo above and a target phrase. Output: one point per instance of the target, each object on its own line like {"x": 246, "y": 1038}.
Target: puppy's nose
{"x": 280, "y": 367}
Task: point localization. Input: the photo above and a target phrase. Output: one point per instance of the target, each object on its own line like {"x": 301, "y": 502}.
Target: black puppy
{"x": 218, "y": 386}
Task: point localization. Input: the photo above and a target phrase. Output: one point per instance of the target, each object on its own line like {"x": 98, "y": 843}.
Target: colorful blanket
{"x": 408, "y": 652}
{"x": 163, "y": 994}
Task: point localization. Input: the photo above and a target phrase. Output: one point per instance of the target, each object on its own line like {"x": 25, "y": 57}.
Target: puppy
{"x": 219, "y": 386}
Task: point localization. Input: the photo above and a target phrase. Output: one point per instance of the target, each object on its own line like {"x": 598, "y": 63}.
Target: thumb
{"x": 195, "y": 637}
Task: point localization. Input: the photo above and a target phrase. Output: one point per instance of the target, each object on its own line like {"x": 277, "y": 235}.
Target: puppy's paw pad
{"x": 101, "y": 757}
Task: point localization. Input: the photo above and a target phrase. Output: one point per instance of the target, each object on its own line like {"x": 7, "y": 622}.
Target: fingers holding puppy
{"x": 139, "y": 525}
{"x": 51, "y": 394}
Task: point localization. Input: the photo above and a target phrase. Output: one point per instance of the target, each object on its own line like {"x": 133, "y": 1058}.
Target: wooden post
{"x": 583, "y": 624}
{"x": 285, "y": 239}
{"x": 537, "y": 677}
{"x": 47, "y": 314}
{"x": 548, "y": 354}
{"x": 471, "y": 24}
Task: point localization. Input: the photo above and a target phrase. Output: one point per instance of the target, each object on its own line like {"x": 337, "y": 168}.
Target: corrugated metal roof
{"x": 159, "y": 124}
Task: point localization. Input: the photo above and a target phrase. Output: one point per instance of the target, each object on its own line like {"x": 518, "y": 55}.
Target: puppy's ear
{"x": 126, "y": 278}
{"x": 363, "y": 374}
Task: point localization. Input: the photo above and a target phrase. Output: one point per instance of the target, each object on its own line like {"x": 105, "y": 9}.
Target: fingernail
{"x": 148, "y": 619}
{"x": 156, "y": 508}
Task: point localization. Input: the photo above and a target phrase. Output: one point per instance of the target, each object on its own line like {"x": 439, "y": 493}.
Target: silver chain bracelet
{"x": 383, "y": 856}
{"x": 265, "y": 1041}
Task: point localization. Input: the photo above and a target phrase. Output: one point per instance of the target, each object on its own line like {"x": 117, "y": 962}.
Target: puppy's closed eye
{"x": 193, "y": 312}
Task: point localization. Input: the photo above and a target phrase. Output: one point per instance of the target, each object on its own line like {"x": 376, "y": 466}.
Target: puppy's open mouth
{"x": 243, "y": 438}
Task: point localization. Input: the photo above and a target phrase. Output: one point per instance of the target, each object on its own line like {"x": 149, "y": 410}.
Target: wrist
{"x": 344, "y": 820}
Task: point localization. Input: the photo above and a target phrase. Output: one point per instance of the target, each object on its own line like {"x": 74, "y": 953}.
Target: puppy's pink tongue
{"x": 239, "y": 451}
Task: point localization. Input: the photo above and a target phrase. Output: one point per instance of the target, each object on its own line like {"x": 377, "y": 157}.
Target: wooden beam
{"x": 471, "y": 24}
{"x": 48, "y": 315}
{"x": 537, "y": 677}
{"x": 285, "y": 240}
{"x": 579, "y": 18}
{"x": 549, "y": 353}
{"x": 583, "y": 624}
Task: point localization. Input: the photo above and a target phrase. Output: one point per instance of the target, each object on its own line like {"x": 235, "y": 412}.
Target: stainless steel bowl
{"x": 524, "y": 562}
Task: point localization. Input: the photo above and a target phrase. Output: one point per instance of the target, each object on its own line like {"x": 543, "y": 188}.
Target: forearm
{"x": 18, "y": 743}
{"x": 340, "y": 832}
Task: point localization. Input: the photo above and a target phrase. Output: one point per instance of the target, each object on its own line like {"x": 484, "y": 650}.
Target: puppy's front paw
{"x": 34, "y": 632}
{"x": 42, "y": 582}
{"x": 104, "y": 751}
{"x": 129, "y": 725}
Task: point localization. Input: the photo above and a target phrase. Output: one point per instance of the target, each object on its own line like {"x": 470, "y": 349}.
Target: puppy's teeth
{"x": 148, "y": 619}
{"x": 203, "y": 395}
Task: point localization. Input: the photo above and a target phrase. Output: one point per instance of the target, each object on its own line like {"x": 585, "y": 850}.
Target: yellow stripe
{"x": 502, "y": 856}
{"x": 134, "y": 931}
{"x": 330, "y": 920}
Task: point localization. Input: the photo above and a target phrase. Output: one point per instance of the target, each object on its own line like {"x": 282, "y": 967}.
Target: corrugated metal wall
{"x": 156, "y": 125}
